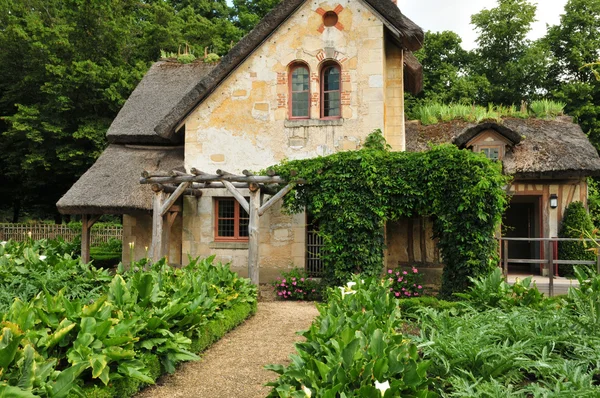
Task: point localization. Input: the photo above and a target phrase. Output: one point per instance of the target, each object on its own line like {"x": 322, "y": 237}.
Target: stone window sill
{"x": 229, "y": 245}
{"x": 313, "y": 122}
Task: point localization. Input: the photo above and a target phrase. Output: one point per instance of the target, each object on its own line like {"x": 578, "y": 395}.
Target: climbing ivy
{"x": 352, "y": 194}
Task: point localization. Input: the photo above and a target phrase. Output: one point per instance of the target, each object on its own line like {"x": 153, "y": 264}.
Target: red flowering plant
{"x": 405, "y": 282}
{"x": 296, "y": 285}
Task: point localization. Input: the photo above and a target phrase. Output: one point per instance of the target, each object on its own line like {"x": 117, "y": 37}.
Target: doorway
{"x": 523, "y": 220}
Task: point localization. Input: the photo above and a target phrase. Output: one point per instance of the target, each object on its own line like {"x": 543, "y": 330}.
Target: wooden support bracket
{"x": 173, "y": 198}
{"x": 275, "y": 199}
{"x": 237, "y": 195}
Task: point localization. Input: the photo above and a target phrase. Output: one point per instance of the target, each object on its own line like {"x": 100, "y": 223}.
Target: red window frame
{"x": 324, "y": 68}
{"x": 291, "y": 90}
{"x": 238, "y": 214}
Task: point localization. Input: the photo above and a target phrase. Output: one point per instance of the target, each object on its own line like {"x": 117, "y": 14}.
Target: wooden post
{"x": 505, "y": 258}
{"x": 157, "y": 227}
{"x": 550, "y": 252}
{"x": 254, "y": 223}
{"x": 87, "y": 221}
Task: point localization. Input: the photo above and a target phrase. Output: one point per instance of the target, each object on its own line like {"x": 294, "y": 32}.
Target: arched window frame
{"x": 325, "y": 66}
{"x": 292, "y": 68}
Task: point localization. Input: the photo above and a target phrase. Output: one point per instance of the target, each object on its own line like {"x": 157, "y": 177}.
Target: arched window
{"x": 330, "y": 91}
{"x": 299, "y": 92}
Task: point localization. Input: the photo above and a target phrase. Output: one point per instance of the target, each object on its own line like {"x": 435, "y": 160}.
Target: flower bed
{"x": 135, "y": 326}
{"x": 501, "y": 340}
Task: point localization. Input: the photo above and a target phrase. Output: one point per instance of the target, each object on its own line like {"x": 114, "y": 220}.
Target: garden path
{"x": 233, "y": 366}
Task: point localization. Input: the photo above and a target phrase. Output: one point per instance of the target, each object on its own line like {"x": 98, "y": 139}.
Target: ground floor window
{"x": 231, "y": 221}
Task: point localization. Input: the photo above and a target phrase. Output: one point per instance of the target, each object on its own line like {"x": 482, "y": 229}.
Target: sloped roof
{"x": 403, "y": 29}
{"x": 152, "y": 100}
{"x": 547, "y": 149}
{"x": 112, "y": 184}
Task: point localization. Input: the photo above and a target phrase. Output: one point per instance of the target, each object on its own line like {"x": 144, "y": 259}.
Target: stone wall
{"x": 137, "y": 229}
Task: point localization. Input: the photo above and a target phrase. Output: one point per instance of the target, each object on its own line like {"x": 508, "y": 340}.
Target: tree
{"x": 447, "y": 75}
{"x": 249, "y": 12}
{"x": 514, "y": 66}
{"x": 574, "y": 43}
{"x": 67, "y": 67}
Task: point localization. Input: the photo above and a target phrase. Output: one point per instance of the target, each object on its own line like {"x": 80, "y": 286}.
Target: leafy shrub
{"x": 493, "y": 291}
{"x": 27, "y": 268}
{"x": 547, "y": 109}
{"x": 405, "y": 283}
{"x": 296, "y": 285}
{"x": 52, "y": 344}
{"x": 353, "y": 348}
{"x": 576, "y": 223}
{"x": 212, "y": 58}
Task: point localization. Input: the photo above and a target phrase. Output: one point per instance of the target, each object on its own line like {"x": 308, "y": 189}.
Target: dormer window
{"x": 491, "y": 139}
{"x": 492, "y": 153}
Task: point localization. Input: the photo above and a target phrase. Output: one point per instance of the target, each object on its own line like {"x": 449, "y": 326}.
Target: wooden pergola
{"x": 170, "y": 186}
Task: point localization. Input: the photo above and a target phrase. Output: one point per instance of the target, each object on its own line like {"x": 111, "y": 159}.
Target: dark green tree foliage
{"x": 352, "y": 195}
{"x": 574, "y": 43}
{"x": 249, "y": 12}
{"x": 514, "y": 66}
{"x": 67, "y": 67}
{"x": 577, "y": 224}
{"x": 447, "y": 77}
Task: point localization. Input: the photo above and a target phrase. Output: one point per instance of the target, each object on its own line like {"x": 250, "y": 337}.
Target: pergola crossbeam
{"x": 194, "y": 183}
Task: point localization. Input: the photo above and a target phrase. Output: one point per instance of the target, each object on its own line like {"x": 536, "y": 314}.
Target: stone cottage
{"x": 313, "y": 78}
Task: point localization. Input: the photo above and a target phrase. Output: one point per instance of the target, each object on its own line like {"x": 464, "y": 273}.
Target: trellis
{"x": 169, "y": 187}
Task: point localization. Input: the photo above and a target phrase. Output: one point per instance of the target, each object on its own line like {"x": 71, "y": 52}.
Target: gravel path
{"x": 233, "y": 367}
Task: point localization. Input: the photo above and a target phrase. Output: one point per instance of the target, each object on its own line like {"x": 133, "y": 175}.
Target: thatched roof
{"x": 547, "y": 148}
{"x": 165, "y": 84}
{"x": 112, "y": 184}
{"x": 406, "y": 32}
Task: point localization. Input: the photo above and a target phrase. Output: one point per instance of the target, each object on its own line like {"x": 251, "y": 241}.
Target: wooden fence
{"x": 20, "y": 232}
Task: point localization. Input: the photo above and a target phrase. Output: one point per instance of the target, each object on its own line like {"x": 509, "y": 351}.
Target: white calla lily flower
{"x": 350, "y": 284}
{"x": 382, "y": 387}
{"x": 3, "y": 243}
{"x": 43, "y": 258}
{"x": 307, "y": 391}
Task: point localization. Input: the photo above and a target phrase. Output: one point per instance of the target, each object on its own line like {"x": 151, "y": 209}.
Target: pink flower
{"x": 391, "y": 280}
{"x": 282, "y": 285}
{"x": 283, "y": 281}
{"x": 301, "y": 279}
{"x": 403, "y": 289}
{"x": 390, "y": 271}
{"x": 400, "y": 279}
{"x": 279, "y": 293}
{"x": 294, "y": 283}
{"x": 289, "y": 292}
{"x": 419, "y": 287}
{"x": 415, "y": 271}
{"x": 391, "y": 289}
{"x": 313, "y": 290}
{"x": 405, "y": 273}
{"x": 416, "y": 294}
{"x": 397, "y": 294}
{"x": 397, "y": 273}
{"x": 300, "y": 291}
{"x": 293, "y": 279}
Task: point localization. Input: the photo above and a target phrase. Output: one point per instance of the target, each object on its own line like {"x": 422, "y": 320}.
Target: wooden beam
{"x": 170, "y": 189}
{"x": 275, "y": 199}
{"x": 237, "y": 195}
{"x": 215, "y": 178}
{"x": 156, "y": 249}
{"x": 173, "y": 198}
{"x": 253, "y": 235}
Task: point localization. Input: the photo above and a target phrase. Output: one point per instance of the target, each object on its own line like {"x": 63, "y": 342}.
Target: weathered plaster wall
{"x": 137, "y": 228}
{"x": 244, "y": 124}
{"x": 394, "y": 97}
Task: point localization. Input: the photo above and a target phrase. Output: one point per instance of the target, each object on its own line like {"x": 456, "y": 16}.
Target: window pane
{"x": 300, "y": 104}
{"x": 226, "y": 227}
{"x": 331, "y": 79}
{"x": 331, "y": 104}
{"x": 300, "y": 79}
{"x": 226, "y": 208}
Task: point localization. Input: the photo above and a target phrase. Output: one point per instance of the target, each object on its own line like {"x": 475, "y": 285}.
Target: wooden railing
{"x": 20, "y": 232}
{"x": 550, "y": 259}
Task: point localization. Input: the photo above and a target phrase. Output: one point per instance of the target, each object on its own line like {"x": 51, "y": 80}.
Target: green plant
{"x": 352, "y": 194}
{"x": 212, "y": 58}
{"x": 493, "y": 291}
{"x": 296, "y": 285}
{"x": 353, "y": 350}
{"x": 547, "y": 109}
{"x": 405, "y": 282}
{"x": 576, "y": 224}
